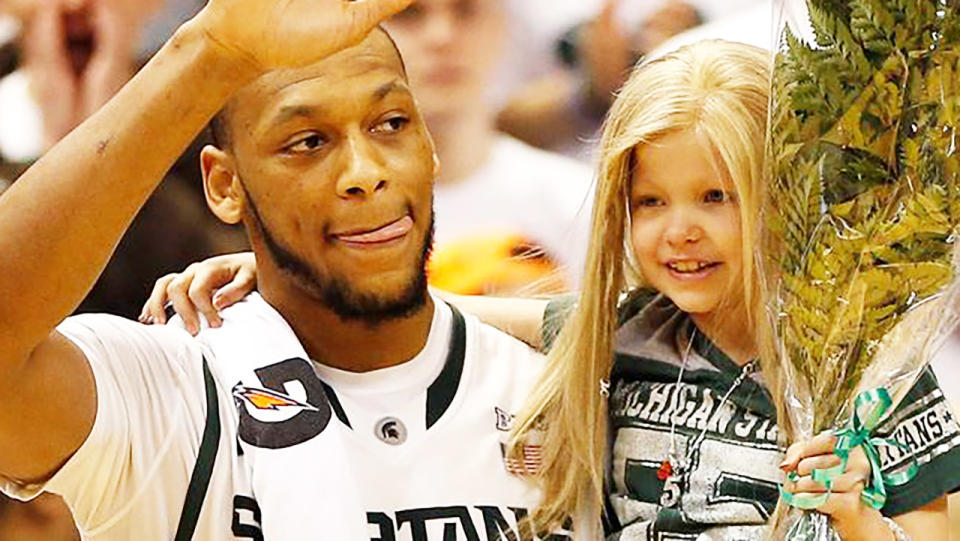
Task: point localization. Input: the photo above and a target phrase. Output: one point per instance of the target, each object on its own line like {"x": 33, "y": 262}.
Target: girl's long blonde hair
{"x": 719, "y": 89}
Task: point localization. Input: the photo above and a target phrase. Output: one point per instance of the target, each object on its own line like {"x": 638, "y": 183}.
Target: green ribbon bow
{"x": 869, "y": 408}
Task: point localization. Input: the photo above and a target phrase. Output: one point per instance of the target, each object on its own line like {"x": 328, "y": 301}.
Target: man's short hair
{"x": 219, "y": 128}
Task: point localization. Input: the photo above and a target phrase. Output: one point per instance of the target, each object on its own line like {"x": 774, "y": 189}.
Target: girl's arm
{"x": 518, "y": 317}
{"x": 928, "y": 522}
{"x": 216, "y": 283}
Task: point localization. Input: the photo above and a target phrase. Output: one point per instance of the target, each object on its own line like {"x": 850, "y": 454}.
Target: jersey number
{"x": 246, "y": 530}
{"x": 305, "y": 425}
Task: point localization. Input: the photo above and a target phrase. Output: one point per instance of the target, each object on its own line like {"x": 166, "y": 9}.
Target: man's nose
{"x": 364, "y": 171}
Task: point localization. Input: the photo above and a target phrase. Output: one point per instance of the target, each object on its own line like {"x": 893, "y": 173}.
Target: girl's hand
{"x": 207, "y": 287}
{"x": 852, "y": 518}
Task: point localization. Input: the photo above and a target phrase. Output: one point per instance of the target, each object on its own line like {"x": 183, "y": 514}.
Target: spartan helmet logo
{"x": 390, "y": 430}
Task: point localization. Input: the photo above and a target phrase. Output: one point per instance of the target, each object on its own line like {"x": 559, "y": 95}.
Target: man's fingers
{"x": 608, "y": 10}
{"x": 153, "y": 310}
{"x": 45, "y": 38}
{"x": 374, "y": 11}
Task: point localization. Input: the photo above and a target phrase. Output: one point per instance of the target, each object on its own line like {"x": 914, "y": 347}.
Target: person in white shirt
{"x": 490, "y": 185}
{"x": 334, "y": 404}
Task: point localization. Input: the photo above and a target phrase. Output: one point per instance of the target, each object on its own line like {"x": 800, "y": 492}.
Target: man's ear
{"x": 221, "y": 184}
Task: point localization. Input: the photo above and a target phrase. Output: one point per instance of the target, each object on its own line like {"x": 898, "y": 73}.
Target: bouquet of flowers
{"x": 861, "y": 217}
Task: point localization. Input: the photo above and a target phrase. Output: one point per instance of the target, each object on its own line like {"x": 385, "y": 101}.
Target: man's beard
{"x": 336, "y": 293}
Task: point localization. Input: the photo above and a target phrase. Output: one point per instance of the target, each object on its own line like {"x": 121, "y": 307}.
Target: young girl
{"x": 669, "y": 314}
{"x": 652, "y": 403}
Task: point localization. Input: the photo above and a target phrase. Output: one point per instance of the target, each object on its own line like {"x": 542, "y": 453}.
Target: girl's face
{"x": 685, "y": 223}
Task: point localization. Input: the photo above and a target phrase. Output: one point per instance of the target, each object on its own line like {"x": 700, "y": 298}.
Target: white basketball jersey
{"x": 411, "y": 452}
{"x": 423, "y": 441}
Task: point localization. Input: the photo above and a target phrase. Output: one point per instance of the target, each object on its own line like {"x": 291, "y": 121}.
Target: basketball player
{"x": 149, "y": 433}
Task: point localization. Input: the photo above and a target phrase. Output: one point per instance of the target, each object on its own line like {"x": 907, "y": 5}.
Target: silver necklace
{"x": 673, "y": 468}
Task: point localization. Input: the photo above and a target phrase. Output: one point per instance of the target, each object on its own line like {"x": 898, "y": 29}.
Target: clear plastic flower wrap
{"x": 860, "y": 217}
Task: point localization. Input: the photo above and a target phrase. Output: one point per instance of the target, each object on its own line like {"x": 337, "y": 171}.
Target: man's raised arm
{"x": 62, "y": 219}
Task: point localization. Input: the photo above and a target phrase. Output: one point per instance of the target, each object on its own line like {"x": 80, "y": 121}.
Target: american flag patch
{"x": 529, "y": 465}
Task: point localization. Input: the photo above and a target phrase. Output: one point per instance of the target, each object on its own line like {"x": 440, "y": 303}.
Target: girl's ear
{"x": 221, "y": 184}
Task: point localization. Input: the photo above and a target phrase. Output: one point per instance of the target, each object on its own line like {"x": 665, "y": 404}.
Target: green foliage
{"x": 865, "y": 195}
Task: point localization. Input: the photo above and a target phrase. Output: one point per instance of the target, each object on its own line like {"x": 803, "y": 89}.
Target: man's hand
{"x": 288, "y": 33}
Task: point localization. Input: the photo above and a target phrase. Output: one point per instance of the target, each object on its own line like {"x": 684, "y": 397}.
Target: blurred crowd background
{"x": 513, "y": 91}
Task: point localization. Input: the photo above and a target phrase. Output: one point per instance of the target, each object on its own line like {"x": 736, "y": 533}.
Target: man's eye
{"x": 306, "y": 144}
{"x": 391, "y": 125}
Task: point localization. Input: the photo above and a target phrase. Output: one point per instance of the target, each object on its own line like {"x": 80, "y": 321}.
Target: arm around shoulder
{"x": 518, "y": 317}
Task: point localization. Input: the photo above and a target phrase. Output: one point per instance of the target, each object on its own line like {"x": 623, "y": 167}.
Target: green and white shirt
{"x": 730, "y": 487}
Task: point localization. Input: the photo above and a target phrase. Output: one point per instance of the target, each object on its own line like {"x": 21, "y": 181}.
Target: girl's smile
{"x": 687, "y": 269}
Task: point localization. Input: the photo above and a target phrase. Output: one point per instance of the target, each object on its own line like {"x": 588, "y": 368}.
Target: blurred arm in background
{"x": 74, "y": 55}
{"x": 564, "y": 108}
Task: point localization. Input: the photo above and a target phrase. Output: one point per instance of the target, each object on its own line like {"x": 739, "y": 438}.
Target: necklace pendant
{"x": 671, "y": 477}
{"x": 670, "y": 496}
{"x": 665, "y": 471}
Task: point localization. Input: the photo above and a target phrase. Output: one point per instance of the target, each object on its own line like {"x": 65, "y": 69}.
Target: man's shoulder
{"x": 497, "y": 350}
{"x": 106, "y": 331}
{"x": 251, "y": 310}
{"x": 500, "y": 371}
{"x": 253, "y": 335}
